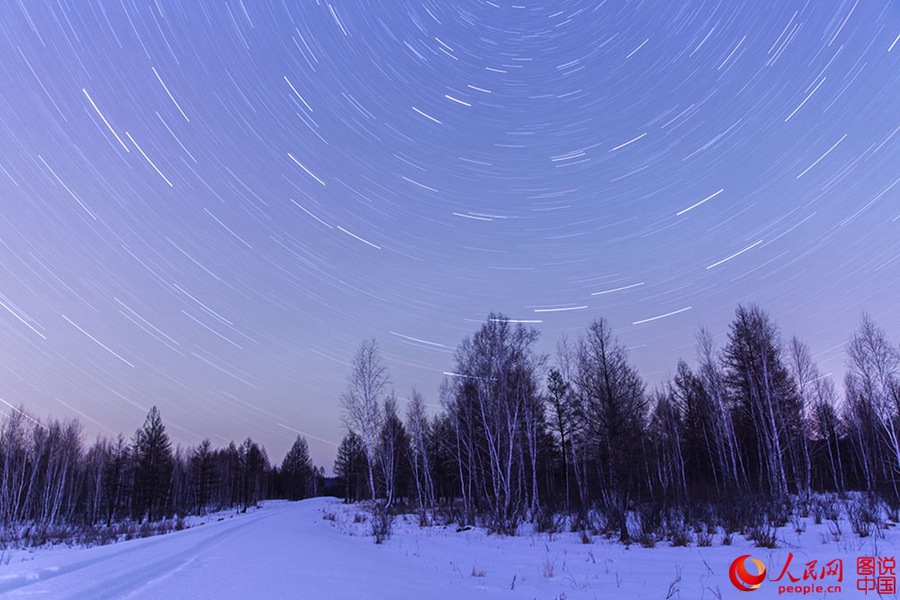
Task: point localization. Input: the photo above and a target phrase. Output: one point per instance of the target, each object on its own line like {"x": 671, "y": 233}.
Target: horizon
{"x": 208, "y": 211}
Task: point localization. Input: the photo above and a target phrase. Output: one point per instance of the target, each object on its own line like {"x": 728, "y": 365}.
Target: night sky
{"x": 207, "y": 206}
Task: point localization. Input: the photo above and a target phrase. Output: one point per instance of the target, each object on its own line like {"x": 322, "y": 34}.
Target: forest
{"x": 741, "y": 439}
{"x": 53, "y": 489}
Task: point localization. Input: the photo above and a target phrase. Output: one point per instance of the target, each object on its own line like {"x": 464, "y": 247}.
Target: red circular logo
{"x": 743, "y": 579}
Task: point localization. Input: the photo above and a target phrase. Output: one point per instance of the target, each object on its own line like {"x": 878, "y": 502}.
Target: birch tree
{"x": 713, "y": 381}
{"x": 805, "y": 375}
{"x": 393, "y": 450}
{"x": 760, "y": 384}
{"x": 495, "y": 377}
{"x": 360, "y": 403}
{"x": 873, "y": 393}
{"x": 417, "y": 426}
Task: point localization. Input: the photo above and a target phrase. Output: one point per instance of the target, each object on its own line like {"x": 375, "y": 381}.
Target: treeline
{"x": 522, "y": 438}
{"x": 51, "y": 484}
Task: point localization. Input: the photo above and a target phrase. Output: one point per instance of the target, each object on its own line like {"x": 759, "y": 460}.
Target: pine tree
{"x": 350, "y": 465}
{"x": 297, "y": 471}
{"x": 204, "y": 474}
{"x": 152, "y": 452}
{"x": 559, "y": 403}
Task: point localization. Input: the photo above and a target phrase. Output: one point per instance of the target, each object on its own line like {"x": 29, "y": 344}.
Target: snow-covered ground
{"x": 314, "y": 549}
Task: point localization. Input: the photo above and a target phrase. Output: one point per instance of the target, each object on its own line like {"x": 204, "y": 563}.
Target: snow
{"x": 314, "y": 549}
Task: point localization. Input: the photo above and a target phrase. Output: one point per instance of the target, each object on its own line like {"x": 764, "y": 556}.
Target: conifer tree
{"x": 152, "y": 453}
{"x": 297, "y": 471}
{"x": 350, "y": 465}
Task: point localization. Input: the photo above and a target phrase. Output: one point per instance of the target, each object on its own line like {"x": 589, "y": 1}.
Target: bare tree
{"x": 873, "y": 392}
{"x": 393, "y": 450}
{"x": 762, "y": 388}
{"x": 117, "y": 482}
{"x": 613, "y": 396}
{"x": 495, "y": 378}
{"x": 360, "y": 403}
{"x": 417, "y": 426}
{"x": 826, "y": 424}
{"x": 254, "y": 463}
{"x": 14, "y": 474}
{"x": 805, "y": 375}
{"x": 667, "y": 468}
{"x": 62, "y": 453}
{"x": 534, "y": 426}
{"x": 95, "y": 464}
{"x": 204, "y": 475}
{"x": 704, "y": 445}
{"x": 713, "y": 381}
{"x": 456, "y": 398}
{"x": 579, "y": 441}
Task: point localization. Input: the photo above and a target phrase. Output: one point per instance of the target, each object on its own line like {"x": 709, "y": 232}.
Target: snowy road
{"x": 278, "y": 552}
{"x": 282, "y": 551}
{"x": 315, "y": 550}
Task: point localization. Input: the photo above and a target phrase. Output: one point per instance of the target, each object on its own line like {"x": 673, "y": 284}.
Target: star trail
{"x": 207, "y": 206}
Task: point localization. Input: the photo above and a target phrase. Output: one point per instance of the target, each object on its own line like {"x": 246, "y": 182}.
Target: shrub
{"x": 650, "y": 519}
{"x": 864, "y": 515}
{"x": 681, "y": 536}
{"x": 547, "y": 522}
{"x": 779, "y": 513}
{"x": 503, "y": 526}
{"x": 598, "y": 521}
{"x": 382, "y": 523}
{"x": 831, "y": 509}
{"x": 763, "y": 535}
{"x": 834, "y": 529}
{"x": 146, "y": 530}
{"x": 818, "y": 513}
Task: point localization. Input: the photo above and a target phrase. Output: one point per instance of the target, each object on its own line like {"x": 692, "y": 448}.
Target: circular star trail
{"x": 207, "y": 206}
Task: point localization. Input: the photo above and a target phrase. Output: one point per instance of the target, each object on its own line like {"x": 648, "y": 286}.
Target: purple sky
{"x": 208, "y": 205}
